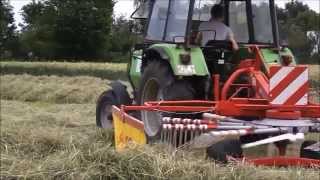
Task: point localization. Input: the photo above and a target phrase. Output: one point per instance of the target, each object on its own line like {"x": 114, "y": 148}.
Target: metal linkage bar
{"x": 289, "y": 136}
{"x": 207, "y": 139}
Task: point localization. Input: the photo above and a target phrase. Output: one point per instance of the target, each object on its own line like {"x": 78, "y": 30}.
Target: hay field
{"x": 48, "y": 132}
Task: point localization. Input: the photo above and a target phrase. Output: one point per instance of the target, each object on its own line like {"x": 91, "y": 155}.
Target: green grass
{"x": 60, "y": 141}
{"x": 112, "y": 71}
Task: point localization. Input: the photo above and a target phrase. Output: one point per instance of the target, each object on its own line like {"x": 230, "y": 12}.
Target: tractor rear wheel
{"x": 158, "y": 83}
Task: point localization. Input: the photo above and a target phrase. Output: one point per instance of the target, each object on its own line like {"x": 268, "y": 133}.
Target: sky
{"x": 125, "y": 7}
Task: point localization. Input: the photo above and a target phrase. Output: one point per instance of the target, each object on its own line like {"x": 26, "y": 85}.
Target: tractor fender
{"x": 171, "y": 53}
{"x": 120, "y": 93}
{"x": 157, "y": 51}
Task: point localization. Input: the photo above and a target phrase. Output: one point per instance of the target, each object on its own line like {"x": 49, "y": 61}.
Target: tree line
{"x": 66, "y": 30}
{"x": 87, "y": 30}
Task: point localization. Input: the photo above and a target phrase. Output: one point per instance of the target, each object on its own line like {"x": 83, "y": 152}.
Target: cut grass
{"x": 44, "y": 140}
{"x": 50, "y": 141}
{"x": 112, "y": 71}
{"x": 81, "y": 89}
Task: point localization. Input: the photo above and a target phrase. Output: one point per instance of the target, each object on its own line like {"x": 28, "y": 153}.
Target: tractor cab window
{"x": 202, "y": 8}
{"x": 177, "y": 20}
{"x": 262, "y": 21}
{"x": 158, "y": 20}
{"x": 238, "y": 21}
{"x": 168, "y": 20}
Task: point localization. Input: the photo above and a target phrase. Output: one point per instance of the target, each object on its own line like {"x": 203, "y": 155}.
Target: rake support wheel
{"x": 221, "y": 150}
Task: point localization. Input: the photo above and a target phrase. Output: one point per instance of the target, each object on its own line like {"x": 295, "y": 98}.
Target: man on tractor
{"x": 216, "y": 28}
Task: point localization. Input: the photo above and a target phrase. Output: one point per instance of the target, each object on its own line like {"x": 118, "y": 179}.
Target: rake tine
{"x": 162, "y": 134}
{"x": 180, "y": 135}
{"x": 165, "y": 133}
{"x": 174, "y": 139}
{"x": 170, "y": 136}
{"x": 167, "y": 138}
{"x": 192, "y": 134}
{"x": 185, "y": 135}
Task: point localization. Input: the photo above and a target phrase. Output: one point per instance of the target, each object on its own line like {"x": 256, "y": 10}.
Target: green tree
{"x": 72, "y": 29}
{"x": 297, "y": 21}
{"x": 37, "y": 35}
{"x": 82, "y": 27}
{"x": 7, "y": 29}
{"x": 121, "y": 38}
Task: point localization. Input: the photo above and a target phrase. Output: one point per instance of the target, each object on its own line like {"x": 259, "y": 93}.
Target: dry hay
{"x": 50, "y": 141}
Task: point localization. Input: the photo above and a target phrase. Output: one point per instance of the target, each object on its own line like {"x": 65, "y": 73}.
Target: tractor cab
{"x": 252, "y": 21}
{"x": 178, "y": 21}
{"x": 175, "y": 21}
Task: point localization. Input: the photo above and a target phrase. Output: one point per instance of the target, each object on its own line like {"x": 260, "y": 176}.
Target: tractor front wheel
{"x": 116, "y": 96}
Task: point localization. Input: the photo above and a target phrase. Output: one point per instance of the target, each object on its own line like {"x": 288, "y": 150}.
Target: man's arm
{"x": 198, "y": 38}
{"x": 234, "y": 43}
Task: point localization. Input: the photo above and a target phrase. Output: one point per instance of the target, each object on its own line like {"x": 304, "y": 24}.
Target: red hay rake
{"x": 273, "y": 103}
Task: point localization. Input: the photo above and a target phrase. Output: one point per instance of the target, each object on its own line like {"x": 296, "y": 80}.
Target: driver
{"x": 215, "y": 25}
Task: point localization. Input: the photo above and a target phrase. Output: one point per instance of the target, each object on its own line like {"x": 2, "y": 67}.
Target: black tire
{"x": 117, "y": 96}
{"x": 103, "y": 109}
{"x": 158, "y": 83}
{"x": 306, "y": 153}
{"x": 222, "y": 149}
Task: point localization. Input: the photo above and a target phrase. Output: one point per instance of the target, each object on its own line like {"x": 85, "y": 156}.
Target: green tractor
{"x": 170, "y": 65}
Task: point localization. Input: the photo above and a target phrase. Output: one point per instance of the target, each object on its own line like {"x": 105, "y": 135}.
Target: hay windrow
{"x": 81, "y": 89}
{"x": 101, "y": 70}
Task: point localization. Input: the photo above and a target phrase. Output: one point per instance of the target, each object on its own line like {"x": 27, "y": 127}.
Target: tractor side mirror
{"x": 131, "y": 26}
{"x": 136, "y": 27}
{"x": 285, "y": 43}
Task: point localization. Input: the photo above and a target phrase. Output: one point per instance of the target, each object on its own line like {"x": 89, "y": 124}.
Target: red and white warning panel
{"x": 289, "y": 85}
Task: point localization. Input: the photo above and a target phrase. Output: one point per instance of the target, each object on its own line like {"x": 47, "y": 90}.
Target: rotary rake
{"x": 272, "y": 107}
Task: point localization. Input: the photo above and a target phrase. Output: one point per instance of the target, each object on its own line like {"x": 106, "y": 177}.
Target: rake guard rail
{"x": 241, "y": 107}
